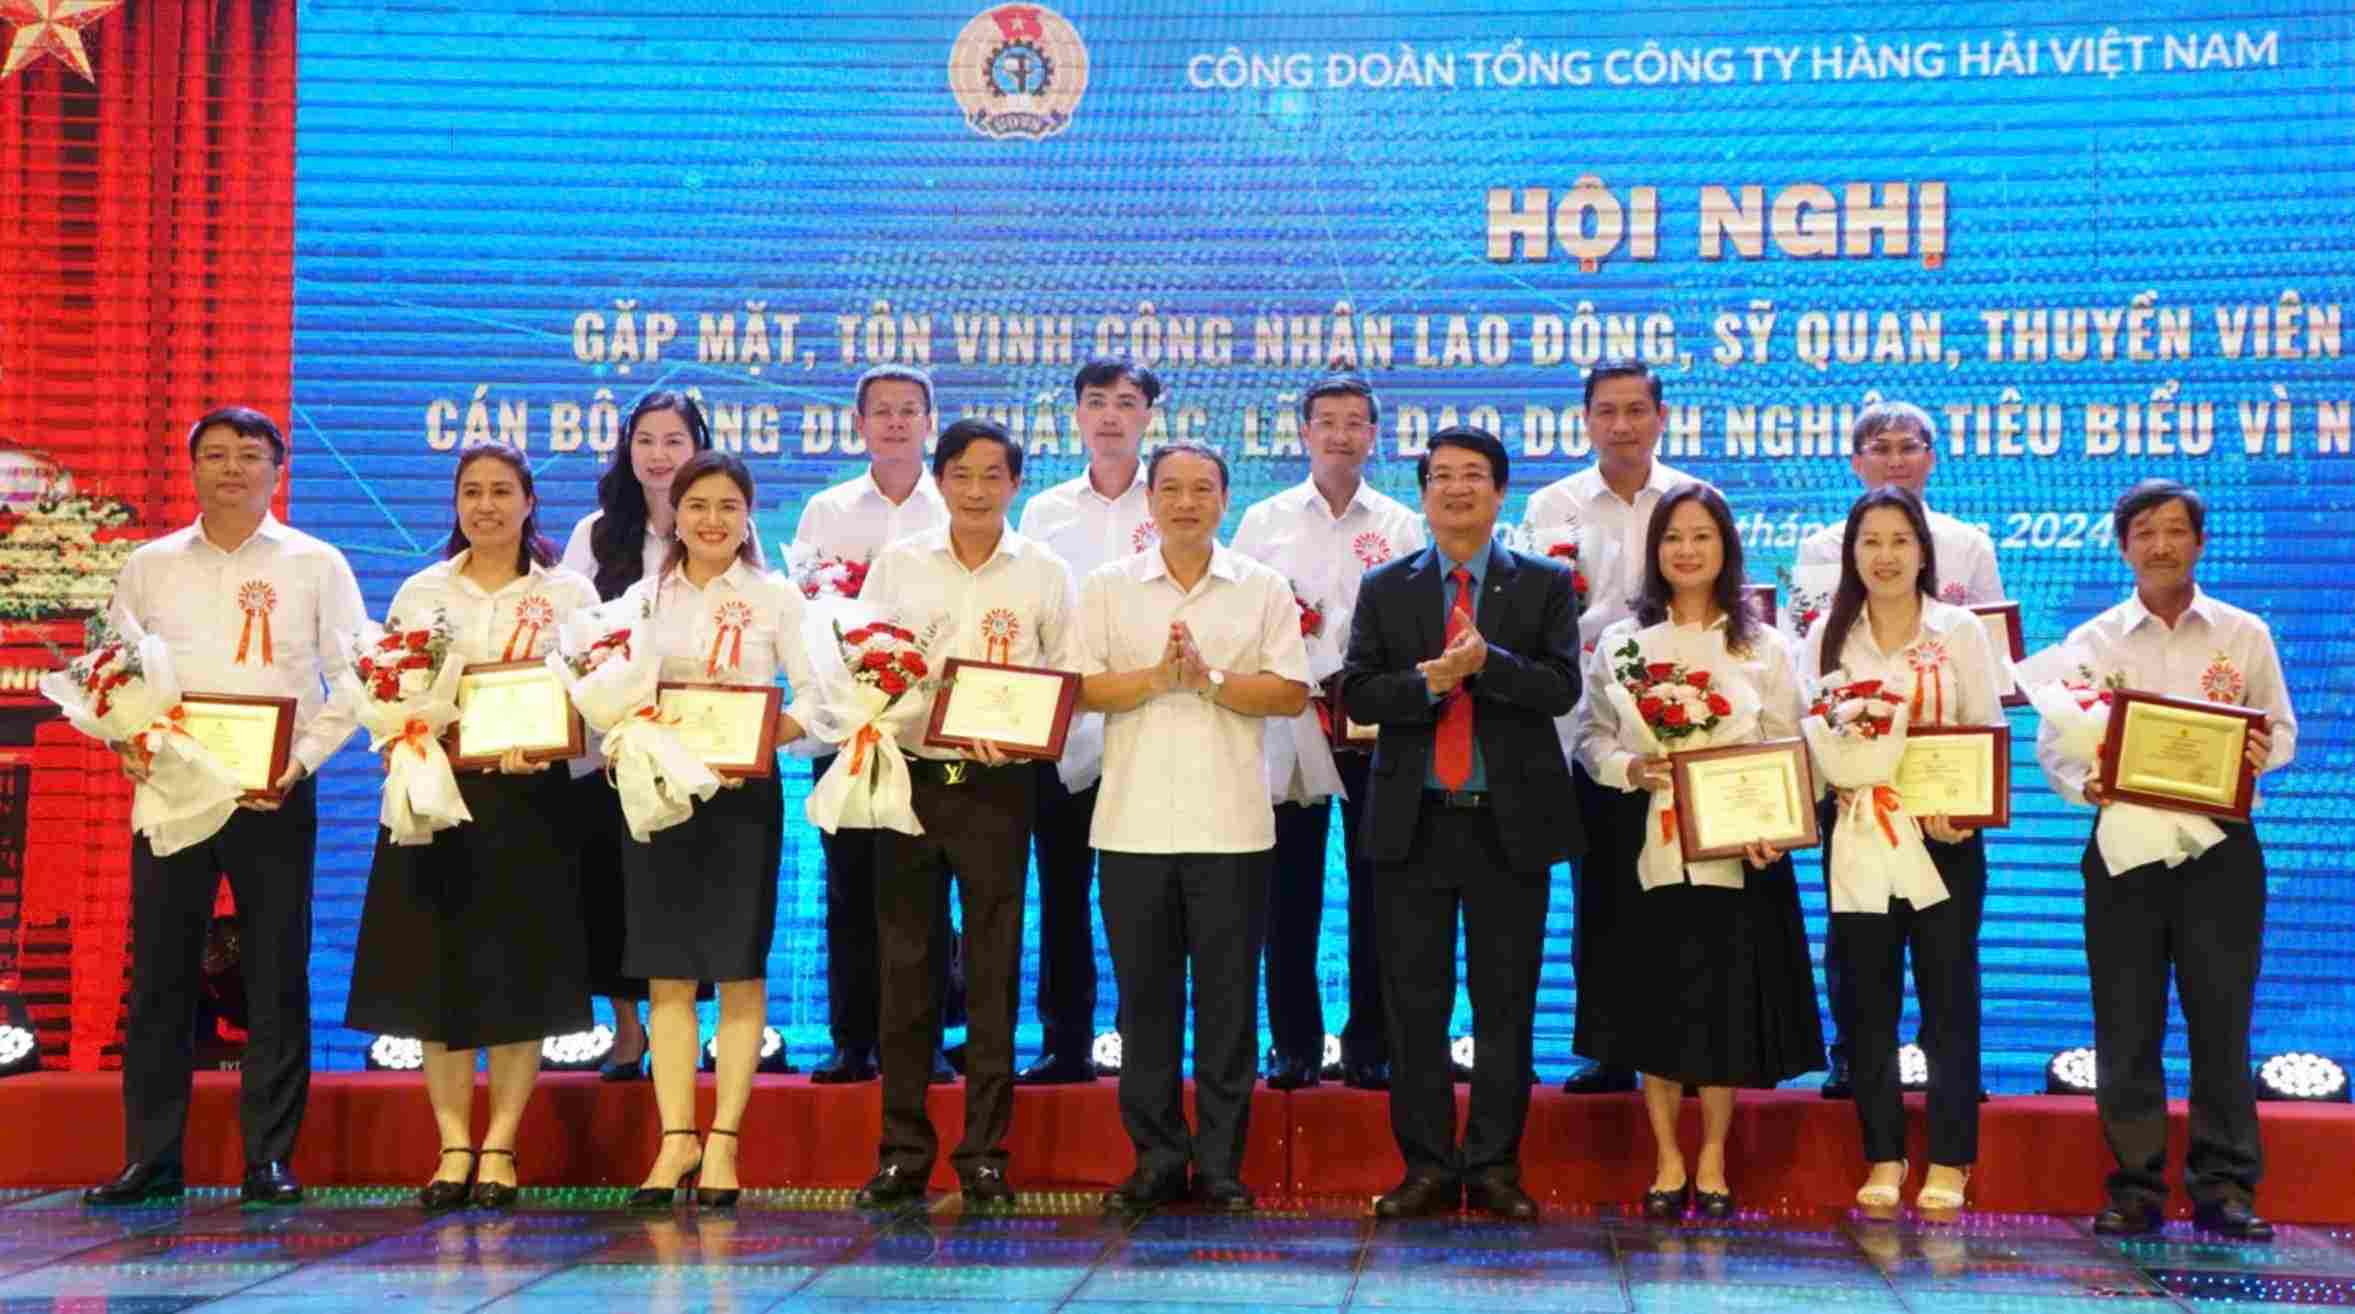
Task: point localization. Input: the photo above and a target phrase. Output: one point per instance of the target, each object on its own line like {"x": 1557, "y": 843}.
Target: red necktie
{"x": 1451, "y": 759}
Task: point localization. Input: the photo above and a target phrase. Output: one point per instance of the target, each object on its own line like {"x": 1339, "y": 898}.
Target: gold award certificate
{"x": 518, "y": 705}
{"x": 1961, "y": 772}
{"x": 1024, "y": 710}
{"x": 731, "y": 727}
{"x": 2182, "y": 753}
{"x": 249, "y": 735}
{"x": 1726, "y": 798}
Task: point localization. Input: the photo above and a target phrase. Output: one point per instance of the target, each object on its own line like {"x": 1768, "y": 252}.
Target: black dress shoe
{"x": 138, "y": 1183}
{"x": 2233, "y": 1219}
{"x": 1596, "y": 1079}
{"x": 1223, "y": 1194}
{"x": 944, "y": 1073}
{"x": 1142, "y": 1192}
{"x": 1714, "y": 1205}
{"x": 634, "y": 1070}
{"x": 1420, "y": 1197}
{"x": 1667, "y": 1206}
{"x": 845, "y": 1066}
{"x": 1836, "y": 1085}
{"x": 496, "y": 1195}
{"x": 439, "y": 1196}
{"x": 1057, "y": 1070}
{"x": 1374, "y": 1075}
{"x": 1290, "y": 1072}
{"x": 987, "y": 1188}
{"x": 894, "y": 1186}
{"x": 2128, "y": 1218}
{"x": 1498, "y": 1198}
{"x": 270, "y": 1183}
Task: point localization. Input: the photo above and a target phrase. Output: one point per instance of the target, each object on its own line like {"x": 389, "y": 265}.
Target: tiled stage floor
{"x": 564, "y": 1252}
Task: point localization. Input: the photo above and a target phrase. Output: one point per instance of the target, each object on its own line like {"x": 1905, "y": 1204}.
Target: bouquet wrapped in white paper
{"x": 404, "y": 689}
{"x": 865, "y": 674}
{"x": 2128, "y": 835}
{"x": 122, "y": 690}
{"x": 1666, "y": 707}
{"x": 612, "y": 673}
{"x": 1856, "y": 731}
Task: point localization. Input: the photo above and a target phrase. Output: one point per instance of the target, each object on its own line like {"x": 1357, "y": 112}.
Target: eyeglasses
{"x": 1450, "y": 479}
{"x": 1903, "y": 447}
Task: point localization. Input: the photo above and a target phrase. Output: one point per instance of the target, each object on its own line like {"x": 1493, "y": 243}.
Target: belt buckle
{"x": 952, "y": 772}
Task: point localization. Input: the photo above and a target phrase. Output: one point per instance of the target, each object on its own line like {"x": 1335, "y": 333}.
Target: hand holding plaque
{"x": 2181, "y": 754}
{"x": 1025, "y": 711}
{"x": 512, "y": 706}
{"x": 1729, "y": 799}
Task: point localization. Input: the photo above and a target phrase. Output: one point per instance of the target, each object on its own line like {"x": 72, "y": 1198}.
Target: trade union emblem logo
{"x": 1018, "y": 71}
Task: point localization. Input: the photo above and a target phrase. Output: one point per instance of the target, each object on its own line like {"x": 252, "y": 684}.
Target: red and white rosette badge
{"x": 1372, "y": 548}
{"x": 532, "y": 615}
{"x": 1145, "y": 535}
{"x": 999, "y": 629}
{"x": 256, "y": 599}
{"x": 728, "y": 623}
{"x": 2223, "y": 682}
{"x": 1928, "y": 661}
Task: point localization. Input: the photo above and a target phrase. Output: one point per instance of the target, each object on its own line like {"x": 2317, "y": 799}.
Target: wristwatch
{"x": 1218, "y": 681}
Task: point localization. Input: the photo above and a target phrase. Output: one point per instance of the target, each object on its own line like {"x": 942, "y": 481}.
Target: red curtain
{"x": 146, "y": 276}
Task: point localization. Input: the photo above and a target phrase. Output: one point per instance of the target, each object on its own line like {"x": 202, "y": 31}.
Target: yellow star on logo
{"x": 52, "y": 27}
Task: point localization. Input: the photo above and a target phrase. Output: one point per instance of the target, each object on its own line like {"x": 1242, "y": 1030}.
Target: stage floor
{"x": 576, "y": 1252}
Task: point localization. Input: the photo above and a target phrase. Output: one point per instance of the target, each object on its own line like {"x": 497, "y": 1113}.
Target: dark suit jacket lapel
{"x": 1429, "y": 590}
{"x": 1495, "y": 599}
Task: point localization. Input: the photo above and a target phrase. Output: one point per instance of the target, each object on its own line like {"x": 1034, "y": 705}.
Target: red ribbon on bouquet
{"x": 1887, "y": 804}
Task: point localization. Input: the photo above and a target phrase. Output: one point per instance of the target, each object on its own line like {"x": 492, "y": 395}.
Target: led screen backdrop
{"x": 2093, "y": 251}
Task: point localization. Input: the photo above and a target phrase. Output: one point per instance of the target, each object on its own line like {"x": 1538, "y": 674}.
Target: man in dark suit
{"x": 1463, "y": 653}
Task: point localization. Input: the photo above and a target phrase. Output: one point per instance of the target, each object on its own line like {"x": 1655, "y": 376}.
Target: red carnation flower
{"x": 367, "y": 669}
{"x": 416, "y": 661}
{"x": 1651, "y": 708}
{"x": 389, "y": 643}
{"x": 892, "y": 683}
{"x": 1660, "y": 670}
{"x": 875, "y": 660}
{"x": 1674, "y": 715}
{"x": 1697, "y": 679}
{"x": 1718, "y": 706}
{"x": 1567, "y": 551}
{"x": 418, "y": 639}
{"x": 913, "y": 665}
{"x": 858, "y": 636}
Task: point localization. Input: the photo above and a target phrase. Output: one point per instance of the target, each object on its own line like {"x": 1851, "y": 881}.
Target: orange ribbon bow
{"x": 1887, "y": 804}
{"x": 415, "y": 734}
{"x": 867, "y": 737}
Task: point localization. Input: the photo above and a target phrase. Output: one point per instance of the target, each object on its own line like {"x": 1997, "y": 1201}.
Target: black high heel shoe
{"x": 1667, "y": 1206}
{"x": 494, "y": 1195}
{"x": 440, "y": 1197}
{"x": 1714, "y": 1205}
{"x": 715, "y": 1197}
{"x": 648, "y": 1198}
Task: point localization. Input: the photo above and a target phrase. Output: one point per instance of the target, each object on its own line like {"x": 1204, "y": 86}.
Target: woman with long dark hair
{"x": 1715, "y": 950}
{"x": 700, "y": 897}
{"x": 626, "y": 539}
{"x": 1887, "y": 624}
{"x": 466, "y": 942}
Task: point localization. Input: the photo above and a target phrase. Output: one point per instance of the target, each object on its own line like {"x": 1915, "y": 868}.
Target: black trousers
{"x": 267, "y": 858}
{"x": 1457, "y": 865}
{"x": 852, "y": 984}
{"x": 1162, "y": 911}
{"x": 1295, "y": 924}
{"x": 1945, "y": 942}
{"x": 1595, "y": 877}
{"x": 977, "y": 830}
{"x": 1066, "y": 917}
{"x": 2205, "y": 920}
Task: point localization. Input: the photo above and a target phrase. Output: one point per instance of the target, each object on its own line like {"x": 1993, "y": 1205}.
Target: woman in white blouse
{"x": 1713, "y": 954}
{"x": 1886, "y": 623}
{"x": 700, "y": 898}
{"x": 472, "y": 941}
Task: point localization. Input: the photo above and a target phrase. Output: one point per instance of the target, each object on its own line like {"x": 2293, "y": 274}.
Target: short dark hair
{"x": 2153, "y": 493}
{"x": 1500, "y": 466}
{"x": 966, "y": 432}
{"x": 1618, "y": 367}
{"x": 1167, "y": 450}
{"x": 1104, "y": 371}
{"x": 893, "y": 374}
{"x": 248, "y": 422}
{"x": 1342, "y": 383}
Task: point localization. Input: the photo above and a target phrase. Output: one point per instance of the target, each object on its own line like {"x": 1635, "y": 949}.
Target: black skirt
{"x": 1710, "y": 986}
{"x": 700, "y": 898}
{"x": 596, "y": 815}
{"x": 474, "y": 939}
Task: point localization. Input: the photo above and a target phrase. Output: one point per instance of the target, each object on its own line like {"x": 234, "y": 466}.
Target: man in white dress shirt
{"x": 1188, "y": 650}
{"x": 1890, "y": 444}
{"x": 247, "y": 606}
{"x": 1609, "y": 505}
{"x": 2201, "y": 921}
{"x": 1098, "y": 517}
{"x": 976, "y": 590}
{"x": 1323, "y": 534}
{"x": 853, "y": 521}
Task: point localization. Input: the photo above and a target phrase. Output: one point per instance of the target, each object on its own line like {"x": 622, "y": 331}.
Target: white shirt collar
{"x": 736, "y": 576}
{"x": 1312, "y": 496}
{"x": 1152, "y": 565}
{"x": 269, "y": 530}
{"x": 936, "y": 539}
{"x": 1589, "y": 485}
{"x": 2137, "y": 613}
{"x": 924, "y": 490}
{"x": 454, "y": 569}
{"x": 1086, "y": 484}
